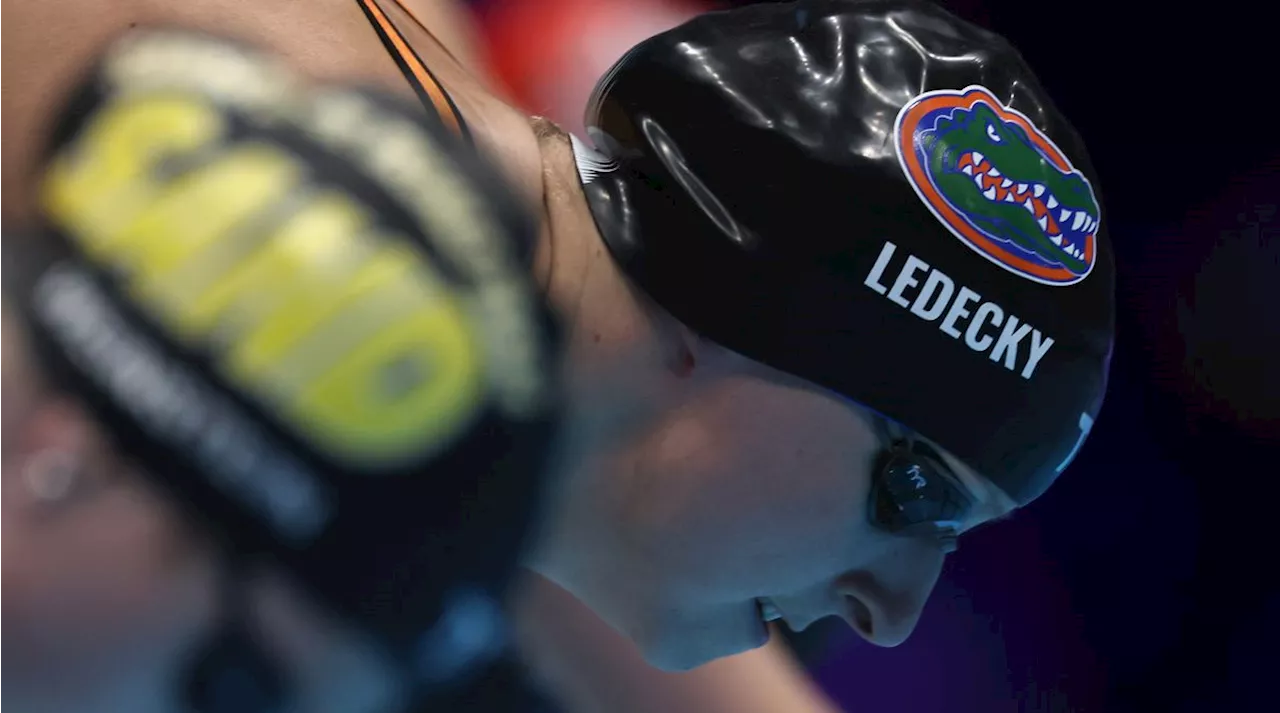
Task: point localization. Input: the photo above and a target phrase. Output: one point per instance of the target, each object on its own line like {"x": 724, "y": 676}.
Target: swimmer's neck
{"x": 617, "y": 364}
{"x": 568, "y": 241}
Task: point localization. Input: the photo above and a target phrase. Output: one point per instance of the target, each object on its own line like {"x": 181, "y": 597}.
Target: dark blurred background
{"x": 1144, "y": 580}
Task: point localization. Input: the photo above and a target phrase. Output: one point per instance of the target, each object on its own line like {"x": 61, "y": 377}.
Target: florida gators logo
{"x": 999, "y": 184}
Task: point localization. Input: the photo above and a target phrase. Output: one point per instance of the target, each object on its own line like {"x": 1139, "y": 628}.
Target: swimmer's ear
{"x": 55, "y": 424}
{"x": 56, "y": 443}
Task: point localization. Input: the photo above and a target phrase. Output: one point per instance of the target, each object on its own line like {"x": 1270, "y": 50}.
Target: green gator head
{"x": 990, "y": 171}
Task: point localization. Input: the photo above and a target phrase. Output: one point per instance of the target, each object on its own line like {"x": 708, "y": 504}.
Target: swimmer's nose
{"x": 874, "y": 621}
{"x": 884, "y": 604}
{"x": 880, "y": 621}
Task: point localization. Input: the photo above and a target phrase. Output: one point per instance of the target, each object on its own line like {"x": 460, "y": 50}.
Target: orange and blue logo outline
{"x": 927, "y": 130}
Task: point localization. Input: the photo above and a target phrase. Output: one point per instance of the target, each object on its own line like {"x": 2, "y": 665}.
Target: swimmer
{"x": 273, "y": 440}
{"x": 837, "y": 288}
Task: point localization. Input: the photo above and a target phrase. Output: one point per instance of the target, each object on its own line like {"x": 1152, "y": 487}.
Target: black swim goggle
{"x": 913, "y": 491}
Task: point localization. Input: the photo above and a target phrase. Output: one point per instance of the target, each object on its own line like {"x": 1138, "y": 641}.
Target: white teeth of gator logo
{"x": 1066, "y": 228}
{"x": 591, "y": 163}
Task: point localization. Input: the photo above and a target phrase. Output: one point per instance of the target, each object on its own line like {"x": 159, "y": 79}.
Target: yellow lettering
{"x": 349, "y": 334}
{"x": 99, "y": 185}
{"x": 403, "y": 392}
{"x": 319, "y": 265}
{"x": 315, "y": 242}
{"x": 168, "y": 238}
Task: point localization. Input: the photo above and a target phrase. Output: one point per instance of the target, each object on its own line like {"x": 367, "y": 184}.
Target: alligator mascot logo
{"x": 999, "y": 184}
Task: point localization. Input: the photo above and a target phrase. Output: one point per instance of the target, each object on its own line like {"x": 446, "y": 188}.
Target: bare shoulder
{"x": 452, "y": 23}
{"x": 440, "y": 34}
{"x": 48, "y": 45}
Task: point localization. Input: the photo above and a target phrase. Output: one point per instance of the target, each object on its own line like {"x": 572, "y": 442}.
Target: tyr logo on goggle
{"x": 999, "y": 184}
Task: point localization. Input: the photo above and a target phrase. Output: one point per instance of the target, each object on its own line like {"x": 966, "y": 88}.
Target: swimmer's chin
{"x": 678, "y": 646}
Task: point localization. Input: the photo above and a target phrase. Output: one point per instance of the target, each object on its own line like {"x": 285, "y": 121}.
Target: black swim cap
{"x": 879, "y": 198}
{"x": 306, "y": 314}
